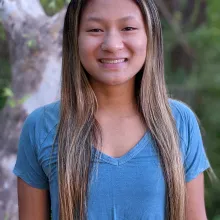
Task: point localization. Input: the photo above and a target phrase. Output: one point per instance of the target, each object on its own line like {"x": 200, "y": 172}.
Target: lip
{"x": 114, "y": 58}
{"x": 113, "y": 66}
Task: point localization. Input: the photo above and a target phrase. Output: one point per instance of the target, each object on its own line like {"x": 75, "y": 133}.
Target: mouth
{"x": 113, "y": 61}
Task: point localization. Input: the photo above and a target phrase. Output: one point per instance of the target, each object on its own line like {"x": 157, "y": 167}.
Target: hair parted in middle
{"x": 78, "y": 129}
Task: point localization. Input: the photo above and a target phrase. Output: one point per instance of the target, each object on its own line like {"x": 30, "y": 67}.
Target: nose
{"x": 112, "y": 42}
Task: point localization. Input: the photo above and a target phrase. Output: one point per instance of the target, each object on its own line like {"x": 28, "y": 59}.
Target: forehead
{"x": 111, "y": 10}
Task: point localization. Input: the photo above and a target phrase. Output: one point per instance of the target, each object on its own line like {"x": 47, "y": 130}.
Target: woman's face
{"x": 112, "y": 40}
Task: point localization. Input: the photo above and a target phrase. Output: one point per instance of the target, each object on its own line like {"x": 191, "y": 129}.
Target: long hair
{"x": 78, "y": 129}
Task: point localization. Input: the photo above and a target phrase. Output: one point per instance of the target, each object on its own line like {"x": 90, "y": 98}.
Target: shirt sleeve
{"x": 27, "y": 166}
{"x": 196, "y": 160}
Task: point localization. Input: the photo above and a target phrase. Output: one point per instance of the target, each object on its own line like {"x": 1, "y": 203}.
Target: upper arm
{"x": 195, "y": 206}
{"x": 33, "y": 183}
{"x": 196, "y": 162}
{"x": 33, "y": 203}
{"x": 194, "y": 158}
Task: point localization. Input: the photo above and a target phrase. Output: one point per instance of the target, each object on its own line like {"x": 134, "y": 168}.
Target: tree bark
{"x": 35, "y": 54}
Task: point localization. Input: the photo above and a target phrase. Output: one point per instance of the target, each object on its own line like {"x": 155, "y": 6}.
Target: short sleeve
{"x": 27, "y": 166}
{"x": 196, "y": 160}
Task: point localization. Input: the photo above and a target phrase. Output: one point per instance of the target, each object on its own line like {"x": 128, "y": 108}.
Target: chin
{"x": 112, "y": 78}
{"x": 116, "y": 81}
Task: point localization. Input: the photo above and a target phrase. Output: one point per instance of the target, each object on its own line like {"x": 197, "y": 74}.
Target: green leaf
{"x": 32, "y": 43}
{"x": 52, "y": 5}
{"x": 7, "y": 92}
{"x": 11, "y": 103}
{"x": 22, "y": 100}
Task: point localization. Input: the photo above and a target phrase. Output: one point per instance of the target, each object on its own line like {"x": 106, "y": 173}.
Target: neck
{"x": 119, "y": 100}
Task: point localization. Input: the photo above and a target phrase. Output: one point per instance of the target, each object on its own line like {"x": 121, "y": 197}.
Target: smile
{"x": 113, "y": 61}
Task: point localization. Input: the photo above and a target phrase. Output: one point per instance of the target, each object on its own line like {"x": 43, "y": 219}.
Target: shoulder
{"x": 182, "y": 113}
{"x": 187, "y": 123}
{"x": 32, "y": 158}
{"x": 42, "y": 120}
{"x": 191, "y": 143}
{"x": 181, "y": 109}
{"x": 48, "y": 112}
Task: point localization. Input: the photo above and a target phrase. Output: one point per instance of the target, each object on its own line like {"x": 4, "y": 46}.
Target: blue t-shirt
{"x": 130, "y": 187}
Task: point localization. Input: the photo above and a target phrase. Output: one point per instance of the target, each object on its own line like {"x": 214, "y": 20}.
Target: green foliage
{"x": 204, "y": 79}
{"x": 32, "y": 43}
{"x": 5, "y": 78}
{"x": 8, "y": 94}
{"x": 52, "y": 6}
{"x": 2, "y": 33}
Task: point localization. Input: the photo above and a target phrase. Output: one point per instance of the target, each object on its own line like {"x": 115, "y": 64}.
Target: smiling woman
{"x": 112, "y": 45}
{"x": 115, "y": 146}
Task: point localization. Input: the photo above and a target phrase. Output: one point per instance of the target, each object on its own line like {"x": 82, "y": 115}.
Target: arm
{"x": 33, "y": 203}
{"x": 195, "y": 207}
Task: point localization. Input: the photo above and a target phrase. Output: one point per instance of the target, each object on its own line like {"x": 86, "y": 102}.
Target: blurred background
{"x": 30, "y": 62}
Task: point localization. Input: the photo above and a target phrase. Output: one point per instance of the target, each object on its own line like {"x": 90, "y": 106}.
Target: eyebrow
{"x": 99, "y": 19}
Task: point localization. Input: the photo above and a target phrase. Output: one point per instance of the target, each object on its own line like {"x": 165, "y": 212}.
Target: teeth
{"x": 113, "y": 61}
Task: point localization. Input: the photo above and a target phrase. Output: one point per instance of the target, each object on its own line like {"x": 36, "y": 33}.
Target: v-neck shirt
{"x": 130, "y": 187}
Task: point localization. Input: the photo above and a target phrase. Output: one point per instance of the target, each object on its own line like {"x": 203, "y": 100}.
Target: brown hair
{"x": 78, "y": 130}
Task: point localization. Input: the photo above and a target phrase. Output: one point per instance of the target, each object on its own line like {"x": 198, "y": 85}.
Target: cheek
{"x": 83, "y": 49}
{"x": 141, "y": 46}
{"x": 139, "y": 49}
{"x": 87, "y": 47}
{"x": 138, "y": 46}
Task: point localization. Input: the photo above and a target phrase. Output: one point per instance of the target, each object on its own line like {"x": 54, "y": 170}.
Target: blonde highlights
{"x": 157, "y": 113}
{"x": 78, "y": 130}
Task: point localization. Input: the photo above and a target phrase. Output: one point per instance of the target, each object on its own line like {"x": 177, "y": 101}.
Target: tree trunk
{"x": 35, "y": 51}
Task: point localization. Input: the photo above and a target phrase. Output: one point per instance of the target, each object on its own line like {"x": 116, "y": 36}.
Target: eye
{"x": 96, "y": 30}
{"x": 130, "y": 29}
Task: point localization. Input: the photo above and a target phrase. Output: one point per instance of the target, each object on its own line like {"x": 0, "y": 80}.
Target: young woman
{"x": 114, "y": 146}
